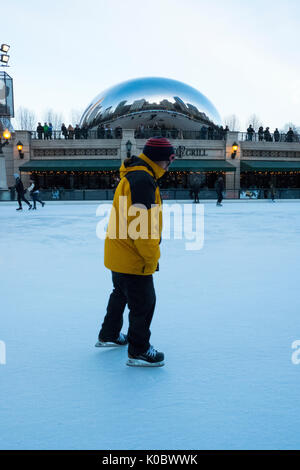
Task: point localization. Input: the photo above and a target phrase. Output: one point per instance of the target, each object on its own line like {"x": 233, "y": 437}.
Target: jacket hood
{"x": 141, "y": 163}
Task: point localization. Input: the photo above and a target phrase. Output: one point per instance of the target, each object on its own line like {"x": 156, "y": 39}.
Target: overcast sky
{"x": 244, "y": 56}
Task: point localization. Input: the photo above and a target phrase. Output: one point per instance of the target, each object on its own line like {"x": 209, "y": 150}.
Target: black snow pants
{"x": 139, "y": 294}
{"x": 220, "y": 196}
{"x": 21, "y": 198}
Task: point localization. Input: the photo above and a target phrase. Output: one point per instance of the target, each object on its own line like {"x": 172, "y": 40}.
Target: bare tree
{"x": 289, "y": 125}
{"x": 232, "y": 121}
{"x": 75, "y": 116}
{"x": 255, "y": 122}
{"x": 25, "y": 119}
{"x": 56, "y": 119}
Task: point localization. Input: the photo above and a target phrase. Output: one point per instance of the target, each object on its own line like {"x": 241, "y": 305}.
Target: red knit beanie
{"x": 158, "y": 149}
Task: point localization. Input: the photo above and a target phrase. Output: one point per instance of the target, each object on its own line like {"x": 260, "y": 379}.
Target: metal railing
{"x": 77, "y": 135}
{"x": 117, "y": 134}
{"x": 179, "y": 134}
{"x": 269, "y": 137}
{"x": 171, "y": 193}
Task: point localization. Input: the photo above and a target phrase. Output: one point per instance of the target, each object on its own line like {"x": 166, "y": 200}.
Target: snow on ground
{"x": 226, "y": 317}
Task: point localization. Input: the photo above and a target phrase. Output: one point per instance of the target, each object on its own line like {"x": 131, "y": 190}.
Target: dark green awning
{"x": 201, "y": 165}
{"x": 71, "y": 165}
{"x": 263, "y": 165}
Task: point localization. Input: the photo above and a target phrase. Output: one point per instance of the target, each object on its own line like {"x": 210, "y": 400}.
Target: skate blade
{"x": 140, "y": 363}
{"x": 107, "y": 344}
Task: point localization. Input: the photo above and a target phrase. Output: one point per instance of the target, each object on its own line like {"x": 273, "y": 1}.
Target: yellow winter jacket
{"x": 135, "y": 223}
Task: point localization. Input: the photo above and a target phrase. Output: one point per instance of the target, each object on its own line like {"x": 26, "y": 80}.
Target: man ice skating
{"x": 220, "y": 189}
{"x": 272, "y": 191}
{"x": 133, "y": 260}
{"x": 196, "y": 182}
{"x": 21, "y": 193}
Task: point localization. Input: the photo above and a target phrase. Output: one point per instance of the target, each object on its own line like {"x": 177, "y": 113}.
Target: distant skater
{"x": 34, "y": 191}
{"x": 272, "y": 192}
{"x": 220, "y": 188}
{"x": 21, "y": 193}
{"x": 196, "y": 182}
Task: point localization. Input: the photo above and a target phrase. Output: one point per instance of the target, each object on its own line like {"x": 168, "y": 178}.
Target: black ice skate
{"x": 150, "y": 358}
{"x": 19, "y": 209}
{"x": 121, "y": 341}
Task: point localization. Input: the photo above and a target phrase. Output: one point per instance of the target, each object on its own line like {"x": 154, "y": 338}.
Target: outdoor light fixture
{"x": 6, "y": 135}
{"x": 234, "y": 149}
{"x": 4, "y": 48}
{"x": 128, "y": 148}
{"x": 4, "y": 58}
{"x": 20, "y": 148}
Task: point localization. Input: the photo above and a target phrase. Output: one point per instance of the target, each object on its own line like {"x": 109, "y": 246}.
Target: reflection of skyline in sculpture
{"x": 138, "y": 101}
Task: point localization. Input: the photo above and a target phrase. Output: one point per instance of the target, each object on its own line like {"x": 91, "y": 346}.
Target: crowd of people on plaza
{"x": 105, "y": 131}
{"x": 265, "y": 135}
{"x": 46, "y": 131}
{"x": 205, "y": 133}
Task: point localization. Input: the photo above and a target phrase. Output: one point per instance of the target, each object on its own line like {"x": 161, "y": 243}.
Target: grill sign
{"x": 182, "y": 151}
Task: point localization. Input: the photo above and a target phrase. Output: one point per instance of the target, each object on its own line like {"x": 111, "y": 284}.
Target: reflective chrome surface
{"x": 150, "y": 100}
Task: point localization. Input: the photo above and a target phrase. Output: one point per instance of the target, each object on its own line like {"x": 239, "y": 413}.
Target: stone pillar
{"x": 233, "y": 178}
{"x": 3, "y": 179}
{"x": 128, "y": 134}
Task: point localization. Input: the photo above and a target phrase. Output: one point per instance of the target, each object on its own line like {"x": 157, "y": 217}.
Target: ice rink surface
{"x": 226, "y": 318}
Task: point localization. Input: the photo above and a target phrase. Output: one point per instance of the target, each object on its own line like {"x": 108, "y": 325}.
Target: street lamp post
{"x": 128, "y": 148}
{"x": 20, "y": 148}
{"x": 234, "y": 150}
{"x": 6, "y": 135}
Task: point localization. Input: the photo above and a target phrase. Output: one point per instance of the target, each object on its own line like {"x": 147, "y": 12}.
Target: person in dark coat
{"x": 290, "y": 135}
{"x": 21, "y": 193}
{"x": 100, "y": 132}
{"x": 203, "y": 133}
{"x": 77, "y": 132}
{"x": 222, "y": 133}
{"x": 118, "y": 132}
{"x": 261, "y": 133}
{"x": 272, "y": 191}
{"x": 84, "y": 132}
{"x": 250, "y": 132}
{"x": 276, "y": 135}
{"x": 210, "y": 133}
{"x": 196, "y": 183}
{"x": 267, "y": 134}
{"x": 40, "y": 131}
{"x": 64, "y": 131}
{"x": 219, "y": 188}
